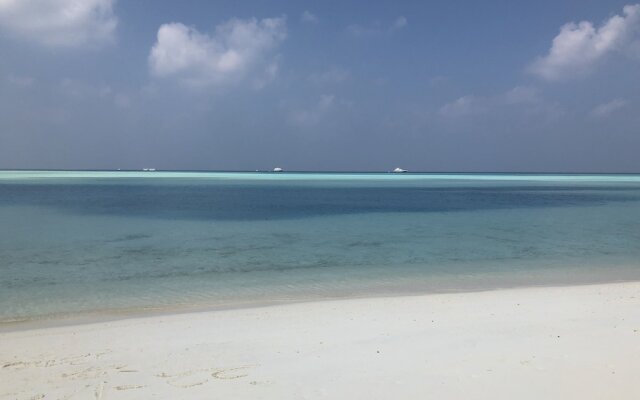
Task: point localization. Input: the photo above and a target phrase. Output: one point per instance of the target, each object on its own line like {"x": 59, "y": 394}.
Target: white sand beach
{"x": 579, "y": 342}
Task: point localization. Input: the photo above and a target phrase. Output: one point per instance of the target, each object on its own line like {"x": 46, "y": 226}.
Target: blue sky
{"x": 334, "y": 85}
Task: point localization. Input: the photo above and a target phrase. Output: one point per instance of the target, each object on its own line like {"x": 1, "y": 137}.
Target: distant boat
{"x": 277, "y": 169}
{"x": 149, "y": 169}
{"x": 398, "y": 170}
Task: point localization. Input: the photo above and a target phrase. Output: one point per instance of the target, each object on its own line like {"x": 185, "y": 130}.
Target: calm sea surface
{"x": 74, "y": 242}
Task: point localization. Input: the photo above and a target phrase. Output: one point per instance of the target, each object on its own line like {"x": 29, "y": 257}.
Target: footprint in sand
{"x": 99, "y": 390}
{"x": 87, "y": 373}
{"x": 199, "y": 377}
{"x": 27, "y": 364}
{"x": 231, "y": 373}
{"x": 129, "y": 387}
{"x": 187, "y": 379}
{"x": 14, "y": 364}
{"x": 73, "y": 360}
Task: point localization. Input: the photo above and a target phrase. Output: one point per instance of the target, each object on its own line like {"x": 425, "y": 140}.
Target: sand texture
{"x": 579, "y": 342}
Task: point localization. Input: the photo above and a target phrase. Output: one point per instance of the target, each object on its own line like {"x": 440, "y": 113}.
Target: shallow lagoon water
{"x": 101, "y": 241}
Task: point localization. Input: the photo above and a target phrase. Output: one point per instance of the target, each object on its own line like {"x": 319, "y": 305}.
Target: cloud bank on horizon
{"x": 219, "y": 86}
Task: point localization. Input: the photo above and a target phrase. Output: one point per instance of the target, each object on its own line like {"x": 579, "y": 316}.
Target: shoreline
{"x": 536, "y": 342}
{"x": 111, "y": 315}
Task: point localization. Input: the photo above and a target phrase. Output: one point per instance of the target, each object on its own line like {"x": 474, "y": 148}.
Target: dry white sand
{"x": 578, "y": 342}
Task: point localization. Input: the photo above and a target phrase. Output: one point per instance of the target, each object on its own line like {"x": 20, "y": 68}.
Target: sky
{"x": 545, "y": 86}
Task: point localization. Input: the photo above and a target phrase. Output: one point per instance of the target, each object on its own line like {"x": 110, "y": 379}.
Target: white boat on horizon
{"x": 278, "y": 169}
{"x": 399, "y": 170}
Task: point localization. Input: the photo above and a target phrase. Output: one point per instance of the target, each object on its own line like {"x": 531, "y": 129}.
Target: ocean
{"x": 91, "y": 243}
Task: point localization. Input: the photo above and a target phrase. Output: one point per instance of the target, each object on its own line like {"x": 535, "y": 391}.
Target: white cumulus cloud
{"x": 608, "y": 108}
{"x": 235, "y": 49}
{"x": 399, "y": 23}
{"x": 520, "y": 97}
{"x": 309, "y": 17}
{"x": 462, "y": 106}
{"x": 577, "y": 49}
{"x": 60, "y": 23}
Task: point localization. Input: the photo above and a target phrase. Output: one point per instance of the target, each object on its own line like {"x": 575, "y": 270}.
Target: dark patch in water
{"x": 130, "y": 237}
{"x": 364, "y": 243}
{"x": 260, "y": 202}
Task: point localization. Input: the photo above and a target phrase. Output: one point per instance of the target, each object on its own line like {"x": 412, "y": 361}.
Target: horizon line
{"x": 323, "y": 171}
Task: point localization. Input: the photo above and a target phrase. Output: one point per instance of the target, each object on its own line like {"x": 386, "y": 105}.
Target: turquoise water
{"x": 75, "y": 242}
